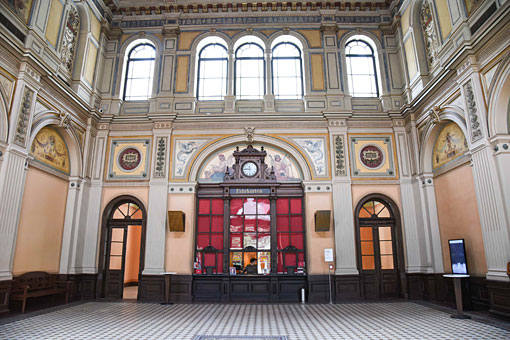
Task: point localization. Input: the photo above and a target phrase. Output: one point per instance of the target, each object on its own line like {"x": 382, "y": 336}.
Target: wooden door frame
{"x": 395, "y": 219}
{"x": 107, "y": 212}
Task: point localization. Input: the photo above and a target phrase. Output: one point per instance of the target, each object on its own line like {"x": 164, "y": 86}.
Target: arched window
{"x": 250, "y": 70}
{"x": 212, "y": 70}
{"x": 361, "y": 68}
{"x": 287, "y": 70}
{"x": 139, "y": 71}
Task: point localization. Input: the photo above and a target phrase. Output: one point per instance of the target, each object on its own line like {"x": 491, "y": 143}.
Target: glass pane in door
{"x": 367, "y": 248}
{"x": 386, "y": 248}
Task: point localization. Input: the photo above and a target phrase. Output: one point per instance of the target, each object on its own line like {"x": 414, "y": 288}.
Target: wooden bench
{"x": 35, "y": 284}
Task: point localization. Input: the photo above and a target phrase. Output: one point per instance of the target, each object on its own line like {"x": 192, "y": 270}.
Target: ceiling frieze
{"x": 137, "y": 8}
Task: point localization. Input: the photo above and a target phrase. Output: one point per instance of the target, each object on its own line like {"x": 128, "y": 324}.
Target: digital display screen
{"x": 458, "y": 256}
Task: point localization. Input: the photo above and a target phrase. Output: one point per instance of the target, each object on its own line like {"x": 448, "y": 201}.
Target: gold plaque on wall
{"x": 322, "y": 219}
{"x": 176, "y": 221}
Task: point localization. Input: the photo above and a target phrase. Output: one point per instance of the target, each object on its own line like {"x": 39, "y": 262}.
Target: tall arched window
{"x": 287, "y": 70}
{"x": 212, "y": 70}
{"x": 139, "y": 72}
{"x": 361, "y": 68}
{"x": 250, "y": 70}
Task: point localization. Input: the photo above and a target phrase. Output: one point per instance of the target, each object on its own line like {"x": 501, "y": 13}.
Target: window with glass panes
{"x": 249, "y": 71}
{"x": 287, "y": 71}
{"x": 139, "y": 72}
{"x": 251, "y": 233}
{"x": 212, "y": 72}
{"x": 361, "y": 69}
{"x": 290, "y": 234}
{"x": 209, "y": 249}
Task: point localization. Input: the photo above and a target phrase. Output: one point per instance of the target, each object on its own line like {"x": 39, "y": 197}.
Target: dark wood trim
{"x": 181, "y": 288}
{"x": 152, "y": 288}
{"x": 499, "y": 298}
{"x": 347, "y": 288}
{"x": 84, "y": 286}
{"x": 5, "y": 292}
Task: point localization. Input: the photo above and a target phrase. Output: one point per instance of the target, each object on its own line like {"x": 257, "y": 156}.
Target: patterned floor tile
{"x": 124, "y": 320}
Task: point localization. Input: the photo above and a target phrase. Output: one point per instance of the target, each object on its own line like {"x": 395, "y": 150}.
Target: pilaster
{"x": 343, "y": 212}
{"x": 158, "y": 200}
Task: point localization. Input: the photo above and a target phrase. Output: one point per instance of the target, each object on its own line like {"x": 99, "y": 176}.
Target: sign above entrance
{"x": 250, "y": 191}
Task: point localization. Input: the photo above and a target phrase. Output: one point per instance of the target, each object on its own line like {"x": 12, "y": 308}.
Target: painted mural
{"x": 129, "y": 159}
{"x": 21, "y": 8}
{"x": 183, "y": 151}
{"x": 50, "y": 149}
{"x": 285, "y": 167}
{"x": 372, "y": 156}
{"x": 450, "y": 144}
{"x": 316, "y": 152}
{"x": 471, "y": 5}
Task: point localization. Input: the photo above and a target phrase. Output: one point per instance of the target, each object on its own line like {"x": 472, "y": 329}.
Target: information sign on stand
{"x": 328, "y": 257}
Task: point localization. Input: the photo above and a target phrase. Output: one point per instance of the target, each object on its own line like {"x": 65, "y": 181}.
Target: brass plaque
{"x": 322, "y": 220}
{"x": 176, "y": 220}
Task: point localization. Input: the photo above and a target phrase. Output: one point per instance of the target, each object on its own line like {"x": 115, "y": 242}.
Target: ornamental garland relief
{"x": 24, "y": 117}
{"x": 69, "y": 39}
{"x": 476, "y": 131}
{"x": 429, "y": 32}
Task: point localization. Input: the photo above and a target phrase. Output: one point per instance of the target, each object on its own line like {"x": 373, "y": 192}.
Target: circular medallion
{"x": 249, "y": 169}
{"x": 129, "y": 159}
{"x": 371, "y": 156}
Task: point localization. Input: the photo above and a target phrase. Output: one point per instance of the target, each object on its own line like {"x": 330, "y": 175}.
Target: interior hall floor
{"x": 132, "y": 320}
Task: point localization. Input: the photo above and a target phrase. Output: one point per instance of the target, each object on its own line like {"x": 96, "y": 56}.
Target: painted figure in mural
{"x": 217, "y": 171}
{"x": 315, "y": 150}
{"x": 281, "y": 168}
{"x": 186, "y": 149}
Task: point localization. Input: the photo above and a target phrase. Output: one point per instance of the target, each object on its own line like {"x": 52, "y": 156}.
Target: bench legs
{"x": 24, "y": 303}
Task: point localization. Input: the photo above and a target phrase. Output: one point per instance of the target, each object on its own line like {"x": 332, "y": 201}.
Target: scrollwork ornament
{"x": 69, "y": 39}
{"x": 429, "y": 32}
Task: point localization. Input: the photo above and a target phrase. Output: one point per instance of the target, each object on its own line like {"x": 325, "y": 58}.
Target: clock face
{"x": 249, "y": 169}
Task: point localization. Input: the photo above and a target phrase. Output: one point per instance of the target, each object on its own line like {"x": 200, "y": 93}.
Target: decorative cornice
{"x": 274, "y": 6}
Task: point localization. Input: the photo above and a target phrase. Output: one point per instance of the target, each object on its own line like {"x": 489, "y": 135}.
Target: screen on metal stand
{"x": 458, "y": 256}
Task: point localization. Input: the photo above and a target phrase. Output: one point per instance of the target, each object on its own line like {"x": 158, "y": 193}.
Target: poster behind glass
{"x": 458, "y": 256}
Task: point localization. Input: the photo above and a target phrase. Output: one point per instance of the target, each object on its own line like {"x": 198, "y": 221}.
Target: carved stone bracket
{"x": 249, "y": 131}
{"x": 65, "y": 120}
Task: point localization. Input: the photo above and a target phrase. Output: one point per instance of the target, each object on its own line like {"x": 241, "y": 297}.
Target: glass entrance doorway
{"x": 122, "y": 250}
{"x": 377, "y": 249}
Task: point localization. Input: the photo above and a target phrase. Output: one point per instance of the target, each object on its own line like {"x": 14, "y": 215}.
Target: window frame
{"x": 300, "y": 57}
{"x": 372, "y": 55}
{"x": 238, "y": 97}
{"x": 200, "y": 59}
{"x": 130, "y": 60}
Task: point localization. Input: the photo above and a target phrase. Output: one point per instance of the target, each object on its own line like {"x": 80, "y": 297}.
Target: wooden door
{"x": 377, "y": 250}
{"x": 115, "y": 262}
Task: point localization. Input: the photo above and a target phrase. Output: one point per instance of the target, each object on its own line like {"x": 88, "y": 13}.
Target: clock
{"x": 249, "y": 169}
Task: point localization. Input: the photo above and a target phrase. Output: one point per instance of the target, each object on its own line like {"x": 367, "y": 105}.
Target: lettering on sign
{"x": 250, "y": 191}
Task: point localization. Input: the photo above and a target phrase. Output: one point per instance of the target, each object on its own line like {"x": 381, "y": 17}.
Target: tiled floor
{"x": 125, "y": 320}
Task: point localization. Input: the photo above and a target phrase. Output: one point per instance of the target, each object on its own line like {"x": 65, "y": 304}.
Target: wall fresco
{"x": 50, "y": 149}
{"x": 450, "y": 144}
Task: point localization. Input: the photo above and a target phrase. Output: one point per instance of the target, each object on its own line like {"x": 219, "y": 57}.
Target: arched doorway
{"x": 379, "y": 245}
{"x": 122, "y": 248}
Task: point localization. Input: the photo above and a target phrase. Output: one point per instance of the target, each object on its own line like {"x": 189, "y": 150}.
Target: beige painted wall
{"x": 180, "y": 245}
{"x": 458, "y": 217}
{"x": 361, "y": 190}
{"x": 109, "y": 193}
{"x": 132, "y": 253}
{"x": 41, "y": 224}
{"x": 316, "y": 242}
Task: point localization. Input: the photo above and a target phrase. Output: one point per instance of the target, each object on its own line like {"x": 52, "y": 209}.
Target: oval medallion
{"x": 129, "y": 159}
{"x": 371, "y": 156}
